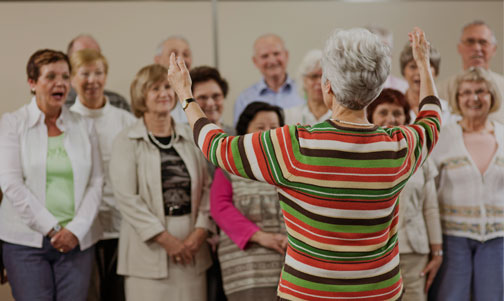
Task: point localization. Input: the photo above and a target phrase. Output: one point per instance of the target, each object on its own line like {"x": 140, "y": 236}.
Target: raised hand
{"x": 179, "y": 77}
{"x": 420, "y": 46}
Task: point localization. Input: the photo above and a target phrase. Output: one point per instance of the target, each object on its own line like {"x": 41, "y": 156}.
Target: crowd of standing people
{"x": 342, "y": 182}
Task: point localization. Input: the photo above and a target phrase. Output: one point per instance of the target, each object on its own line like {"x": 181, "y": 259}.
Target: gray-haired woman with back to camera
{"x": 339, "y": 180}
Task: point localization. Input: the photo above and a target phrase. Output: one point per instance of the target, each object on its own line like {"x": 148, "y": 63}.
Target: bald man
{"x": 88, "y": 42}
{"x": 476, "y": 48}
{"x": 276, "y": 87}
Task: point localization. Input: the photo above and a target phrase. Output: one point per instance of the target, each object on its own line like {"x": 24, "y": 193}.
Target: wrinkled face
{"x": 389, "y": 114}
{"x": 476, "y": 46}
{"x": 160, "y": 98}
{"x": 89, "y": 82}
{"x": 177, "y": 46}
{"x": 263, "y": 121}
{"x": 412, "y": 76}
{"x": 52, "y": 85}
{"x": 474, "y": 99}
{"x": 311, "y": 85}
{"x": 270, "y": 57}
{"x": 210, "y": 98}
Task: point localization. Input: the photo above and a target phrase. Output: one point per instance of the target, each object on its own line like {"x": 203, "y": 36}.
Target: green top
{"x": 59, "y": 182}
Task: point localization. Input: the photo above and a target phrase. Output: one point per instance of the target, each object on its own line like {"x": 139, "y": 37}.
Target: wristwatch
{"x": 186, "y": 103}
{"x": 54, "y": 230}
{"x": 437, "y": 253}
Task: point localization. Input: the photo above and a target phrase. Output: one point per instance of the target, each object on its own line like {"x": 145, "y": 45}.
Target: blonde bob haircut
{"x": 85, "y": 57}
{"x": 476, "y": 74}
{"x": 144, "y": 80}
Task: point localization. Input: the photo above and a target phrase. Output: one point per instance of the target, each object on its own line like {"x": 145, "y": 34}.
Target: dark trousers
{"x": 44, "y": 274}
{"x": 105, "y": 283}
{"x": 215, "y": 290}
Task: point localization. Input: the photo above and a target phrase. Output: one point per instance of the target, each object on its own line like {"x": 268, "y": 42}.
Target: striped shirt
{"x": 338, "y": 189}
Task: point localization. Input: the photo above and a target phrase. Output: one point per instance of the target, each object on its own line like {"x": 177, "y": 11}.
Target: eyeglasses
{"x": 313, "y": 76}
{"x": 472, "y": 42}
{"x": 480, "y": 93}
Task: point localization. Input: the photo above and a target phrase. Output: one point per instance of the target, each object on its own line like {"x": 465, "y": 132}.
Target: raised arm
{"x": 428, "y": 122}
{"x": 256, "y": 156}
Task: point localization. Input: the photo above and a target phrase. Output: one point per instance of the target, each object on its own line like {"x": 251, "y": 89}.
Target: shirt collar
{"x": 36, "y": 116}
{"x": 287, "y": 85}
{"x": 81, "y": 109}
{"x": 139, "y": 131}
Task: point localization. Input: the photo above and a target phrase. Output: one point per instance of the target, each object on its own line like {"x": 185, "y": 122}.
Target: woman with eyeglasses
{"x": 470, "y": 160}
{"x": 314, "y": 110}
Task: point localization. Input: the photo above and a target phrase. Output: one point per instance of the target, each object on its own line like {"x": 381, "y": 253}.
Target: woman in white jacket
{"x": 51, "y": 176}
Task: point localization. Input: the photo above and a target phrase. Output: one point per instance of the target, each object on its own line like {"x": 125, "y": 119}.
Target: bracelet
{"x": 437, "y": 253}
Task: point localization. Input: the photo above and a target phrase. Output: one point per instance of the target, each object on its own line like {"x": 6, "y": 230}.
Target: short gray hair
{"x": 159, "y": 49}
{"x": 476, "y": 74}
{"x": 356, "y": 63}
{"x": 478, "y": 23}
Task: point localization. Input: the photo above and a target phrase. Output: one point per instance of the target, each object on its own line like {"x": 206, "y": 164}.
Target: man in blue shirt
{"x": 276, "y": 87}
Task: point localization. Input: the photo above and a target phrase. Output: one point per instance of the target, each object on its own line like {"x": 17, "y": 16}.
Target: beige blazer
{"x": 135, "y": 170}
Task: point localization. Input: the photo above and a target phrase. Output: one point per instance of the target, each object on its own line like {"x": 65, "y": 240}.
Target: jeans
{"x": 44, "y": 274}
{"x": 470, "y": 268}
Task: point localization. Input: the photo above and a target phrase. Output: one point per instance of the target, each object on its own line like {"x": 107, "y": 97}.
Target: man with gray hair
{"x": 85, "y": 41}
{"x": 477, "y": 46}
{"x": 276, "y": 87}
{"x": 180, "y": 46}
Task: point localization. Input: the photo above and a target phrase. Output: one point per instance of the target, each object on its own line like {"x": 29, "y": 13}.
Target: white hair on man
{"x": 356, "y": 63}
{"x": 159, "y": 49}
{"x": 478, "y": 23}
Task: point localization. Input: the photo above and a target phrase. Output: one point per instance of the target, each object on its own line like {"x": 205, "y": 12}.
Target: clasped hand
{"x": 64, "y": 241}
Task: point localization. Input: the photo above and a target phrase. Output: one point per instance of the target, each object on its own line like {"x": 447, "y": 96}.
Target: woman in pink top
{"x": 252, "y": 240}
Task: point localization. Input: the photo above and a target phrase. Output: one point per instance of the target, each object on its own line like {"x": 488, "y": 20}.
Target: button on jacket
{"x": 135, "y": 170}
{"x": 24, "y": 218}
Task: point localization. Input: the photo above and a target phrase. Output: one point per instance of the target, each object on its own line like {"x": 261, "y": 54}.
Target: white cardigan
{"x": 471, "y": 204}
{"x": 24, "y": 218}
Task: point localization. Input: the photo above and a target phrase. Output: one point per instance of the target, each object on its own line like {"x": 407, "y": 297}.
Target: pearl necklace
{"x": 159, "y": 144}
{"x": 353, "y": 123}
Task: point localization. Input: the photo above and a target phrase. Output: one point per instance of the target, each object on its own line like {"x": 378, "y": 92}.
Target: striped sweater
{"x": 338, "y": 189}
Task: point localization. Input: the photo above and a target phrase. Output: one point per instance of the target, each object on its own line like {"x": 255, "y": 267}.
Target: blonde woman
{"x": 89, "y": 77}
{"x": 161, "y": 183}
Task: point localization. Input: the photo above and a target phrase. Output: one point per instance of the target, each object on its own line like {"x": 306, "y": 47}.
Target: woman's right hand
{"x": 420, "y": 46}
{"x": 175, "y": 248}
{"x": 274, "y": 241}
{"x": 179, "y": 77}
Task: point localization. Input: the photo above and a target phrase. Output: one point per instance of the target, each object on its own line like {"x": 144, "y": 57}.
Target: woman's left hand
{"x": 194, "y": 241}
{"x": 179, "y": 77}
{"x": 64, "y": 241}
{"x": 431, "y": 270}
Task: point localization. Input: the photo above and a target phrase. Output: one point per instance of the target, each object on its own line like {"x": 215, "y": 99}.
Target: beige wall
{"x": 129, "y": 32}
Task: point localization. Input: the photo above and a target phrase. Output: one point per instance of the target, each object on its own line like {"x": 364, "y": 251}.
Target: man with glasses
{"x": 477, "y": 46}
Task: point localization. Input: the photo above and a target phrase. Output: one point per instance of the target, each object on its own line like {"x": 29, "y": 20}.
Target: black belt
{"x": 178, "y": 210}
